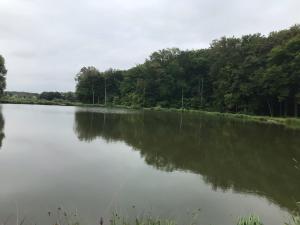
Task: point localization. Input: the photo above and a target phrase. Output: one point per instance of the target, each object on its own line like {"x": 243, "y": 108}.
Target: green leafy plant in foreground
{"x": 296, "y": 217}
{"x": 251, "y": 220}
{"x": 118, "y": 220}
{"x": 295, "y": 221}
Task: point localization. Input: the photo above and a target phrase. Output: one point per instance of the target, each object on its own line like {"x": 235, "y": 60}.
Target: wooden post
{"x": 93, "y": 92}
{"x": 296, "y": 108}
{"x": 104, "y": 91}
{"x": 270, "y": 108}
{"x": 182, "y": 98}
{"x": 201, "y": 92}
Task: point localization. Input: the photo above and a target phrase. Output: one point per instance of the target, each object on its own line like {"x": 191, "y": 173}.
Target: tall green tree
{"x": 3, "y": 72}
{"x": 112, "y": 80}
{"x": 89, "y": 85}
{"x": 284, "y": 73}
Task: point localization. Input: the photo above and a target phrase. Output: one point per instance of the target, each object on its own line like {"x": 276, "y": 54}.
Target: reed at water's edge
{"x": 65, "y": 217}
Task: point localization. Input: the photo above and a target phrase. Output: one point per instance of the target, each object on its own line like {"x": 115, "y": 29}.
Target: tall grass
{"x": 251, "y": 220}
{"x": 118, "y": 220}
{"x": 295, "y": 221}
{"x": 62, "y": 217}
{"x": 296, "y": 218}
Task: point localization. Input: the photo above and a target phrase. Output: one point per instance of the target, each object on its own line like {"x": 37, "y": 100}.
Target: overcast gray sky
{"x": 46, "y": 42}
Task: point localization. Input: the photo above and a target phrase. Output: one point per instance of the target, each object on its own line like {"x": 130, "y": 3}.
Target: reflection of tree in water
{"x": 1, "y": 127}
{"x": 247, "y": 157}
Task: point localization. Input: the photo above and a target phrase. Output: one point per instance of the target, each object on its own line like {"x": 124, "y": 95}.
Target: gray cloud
{"x": 46, "y": 42}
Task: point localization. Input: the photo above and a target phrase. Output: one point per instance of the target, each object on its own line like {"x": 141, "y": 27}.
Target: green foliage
{"x": 251, "y": 220}
{"x": 3, "y": 72}
{"x": 116, "y": 219}
{"x": 2, "y": 123}
{"x": 45, "y": 98}
{"x": 51, "y": 95}
{"x": 295, "y": 221}
{"x": 63, "y": 96}
{"x": 296, "y": 217}
{"x": 69, "y": 96}
{"x": 21, "y": 94}
{"x": 98, "y": 87}
{"x": 35, "y": 99}
{"x": 253, "y": 74}
{"x": 89, "y": 84}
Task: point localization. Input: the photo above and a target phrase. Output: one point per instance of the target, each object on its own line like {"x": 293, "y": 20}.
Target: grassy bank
{"x": 283, "y": 121}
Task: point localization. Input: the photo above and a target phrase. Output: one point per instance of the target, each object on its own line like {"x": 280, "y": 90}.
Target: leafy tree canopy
{"x": 253, "y": 74}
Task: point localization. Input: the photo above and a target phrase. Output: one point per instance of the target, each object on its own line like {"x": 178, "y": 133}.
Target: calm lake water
{"x": 185, "y": 167}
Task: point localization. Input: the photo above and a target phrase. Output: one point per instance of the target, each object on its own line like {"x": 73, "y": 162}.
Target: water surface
{"x": 165, "y": 164}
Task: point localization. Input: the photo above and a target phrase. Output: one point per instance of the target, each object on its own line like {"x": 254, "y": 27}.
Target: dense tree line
{"x": 50, "y": 96}
{"x": 3, "y": 72}
{"x": 254, "y": 74}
